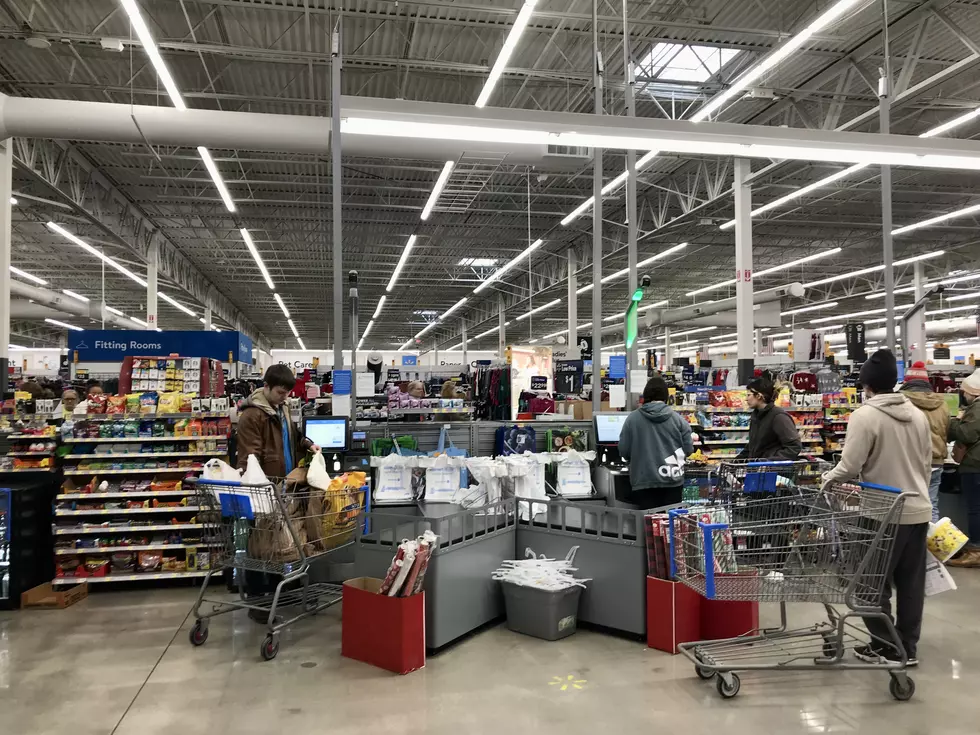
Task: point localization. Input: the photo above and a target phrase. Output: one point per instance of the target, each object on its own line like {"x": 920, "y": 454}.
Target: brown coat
{"x": 933, "y": 405}
{"x": 260, "y": 433}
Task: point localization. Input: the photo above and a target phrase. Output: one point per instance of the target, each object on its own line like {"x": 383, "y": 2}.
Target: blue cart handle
{"x": 768, "y": 463}
{"x": 875, "y": 486}
{"x": 222, "y": 483}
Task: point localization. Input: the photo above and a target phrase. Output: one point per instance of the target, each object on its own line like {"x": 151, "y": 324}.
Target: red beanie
{"x": 917, "y": 371}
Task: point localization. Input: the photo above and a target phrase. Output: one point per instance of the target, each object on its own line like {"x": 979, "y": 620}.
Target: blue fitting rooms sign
{"x": 112, "y": 345}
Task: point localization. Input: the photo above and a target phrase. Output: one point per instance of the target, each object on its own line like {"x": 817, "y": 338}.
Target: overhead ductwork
{"x": 685, "y": 314}
{"x": 53, "y": 305}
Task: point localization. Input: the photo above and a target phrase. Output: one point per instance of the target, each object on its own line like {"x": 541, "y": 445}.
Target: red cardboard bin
{"x": 673, "y": 614}
{"x": 388, "y": 632}
{"x": 726, "y": 619}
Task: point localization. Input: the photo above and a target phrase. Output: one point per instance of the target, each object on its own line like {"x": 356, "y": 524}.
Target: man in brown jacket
{"x": 265, "y": 428}
{"x": 918, "y": 389}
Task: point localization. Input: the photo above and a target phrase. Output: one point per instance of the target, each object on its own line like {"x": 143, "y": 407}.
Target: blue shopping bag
{"x": 451, "y": 451}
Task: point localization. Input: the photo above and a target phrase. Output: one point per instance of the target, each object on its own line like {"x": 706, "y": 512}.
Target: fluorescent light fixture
{"x": 950, "y": 310}
{"x": 768, "y": 271}
{"x": 964, "y": 297}
{"x": 301, "y": 345}
{"x": 853, "y": 314}
{"x": 114, "y": 311}
{"x": 219, "y": 183}
{"x": 399, "y": 128}
{"x": 76, "y": 296}
{"x": 150, "y": 48}
{"x": 606, "y": 191}
{"x": 822, "y": 21}
{"x": 401, "y": 263}
{"x": 510, "y": 264}
{"x": 364, "y": 334}
{"x": 691, "y": 331}
{"x": 282, "y": 304}
{"x": 29, "y": 277}
{"x": 138, "y": 321}
{"x": 874, "y": 269}
{"x": 478, "y": 262}
{"x": 293, "y": 327}
{"x": 487, "y": 333}
{"x": 13, "y": 201}
{"x": 175, "y": 304}
{"x": 16, "y": 347}
{"x": 381, "y": 303}
{"x": 453, "y": 308}
{"x": 510, "y": 43}
{"x": 881, "y": 294}
{"x": 92, "y": 251}
{"x": 973, "y": 209}
{"x": 804, "y": 309}
{"x": 426, "y": 328}
{"x": 549, "y": 305}
{"x": 405, "y": 346}
{"x": 64, "y": 325}
{"x": 654, "y": 305}
{"x": 641, "y": 264}
{"x": 437, "y": 189}
{"x": 250, "y": 244}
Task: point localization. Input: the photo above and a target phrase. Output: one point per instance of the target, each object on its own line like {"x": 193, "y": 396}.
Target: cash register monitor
{"x": 328, "y": 432}
{"x": 608, "y": 427}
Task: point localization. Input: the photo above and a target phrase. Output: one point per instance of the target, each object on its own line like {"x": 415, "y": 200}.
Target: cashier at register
{"x": 656, "y": 440}
{"x": 772, "y": 431}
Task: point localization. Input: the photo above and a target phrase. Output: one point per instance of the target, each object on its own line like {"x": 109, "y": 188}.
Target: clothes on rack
{"x": 492, "y": 394}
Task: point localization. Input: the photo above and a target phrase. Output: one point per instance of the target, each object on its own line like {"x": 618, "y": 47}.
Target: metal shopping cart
{"x": 275, "y": 529}
{"x": 803, "y": 544}
{"x": 758, "y": 478}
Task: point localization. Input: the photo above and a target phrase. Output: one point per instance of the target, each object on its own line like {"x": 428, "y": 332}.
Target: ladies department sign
{"x": 104, "y": 345}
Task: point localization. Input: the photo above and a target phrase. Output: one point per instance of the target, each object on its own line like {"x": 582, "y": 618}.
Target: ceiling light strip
{"x": 151, "y": 50}
{"x": 804, "y": 309}
{"x": 76, "y": 296}
{"x": 250, "y": 244}
{"x": 28, "y": 276}
{"x": 64, "y": 325}
{"x": 282, "y": 304}
{"x": 873, "y": 269}
{"x": 510, "y": 43}
{"x": 972, "y": 209}
{"x": 549, "y": 305}
{"x": 453, "y": 308}
{"x": 301, "y": 345}
{"x": 293, "y": 328}
{"x": 92, "y": 251}
{"x": 497, "y": 274}
{"x": 381, "y": 303}
{"x": 447, "y": 169}
{"x": 401, "y": 263}
{"x": 175, "y": 304}
{"x": 219, "y": 182}
{"x": 768, "y": 271}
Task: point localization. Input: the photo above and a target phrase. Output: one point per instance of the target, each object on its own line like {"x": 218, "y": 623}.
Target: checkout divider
{"x": 460, "y": 594}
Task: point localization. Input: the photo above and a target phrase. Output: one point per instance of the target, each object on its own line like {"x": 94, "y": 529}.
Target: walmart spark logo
{"x": 566, "y": 683}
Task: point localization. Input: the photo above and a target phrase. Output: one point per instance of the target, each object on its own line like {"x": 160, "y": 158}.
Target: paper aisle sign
{"x": 365, "y": 384}
{"x": 617, "y": 396}
{"x": 638, "y": 381}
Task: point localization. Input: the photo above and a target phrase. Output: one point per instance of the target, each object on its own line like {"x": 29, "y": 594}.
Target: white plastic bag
{"x": 442, "y": 478}
{"x": 574, "y": 474}
{"x": 218, "y": 469}
{"x": 393, "y": 480}
{"x": 316, "y": 475}
{"x": 938, "y": 579}
{"x": 253, "y": 472}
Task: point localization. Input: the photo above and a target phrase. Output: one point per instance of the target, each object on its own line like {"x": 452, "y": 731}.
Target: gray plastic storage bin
{"x": 541, "y": 613}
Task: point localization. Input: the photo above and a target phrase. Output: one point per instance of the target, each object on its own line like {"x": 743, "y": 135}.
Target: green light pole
{"x": 630, "y": 332}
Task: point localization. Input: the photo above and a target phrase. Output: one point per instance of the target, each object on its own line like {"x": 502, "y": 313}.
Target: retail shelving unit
{"x": 716, "y": 435}
{"x": 835, "y": 420}
{"x": 128, "y": 504}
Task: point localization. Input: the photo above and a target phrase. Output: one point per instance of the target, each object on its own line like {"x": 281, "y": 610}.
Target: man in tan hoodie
{"x": 888, "y": 443}
{"x": 918, "y": 389}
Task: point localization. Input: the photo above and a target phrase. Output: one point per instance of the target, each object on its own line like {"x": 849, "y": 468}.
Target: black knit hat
{"x": 880, "y": 372}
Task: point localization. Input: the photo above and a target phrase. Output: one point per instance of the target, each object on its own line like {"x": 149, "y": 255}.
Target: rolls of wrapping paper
{"x": 406, "y": 573}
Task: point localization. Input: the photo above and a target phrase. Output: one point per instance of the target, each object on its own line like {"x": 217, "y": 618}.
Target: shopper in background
{"x": 772, "y": 431}
{"x": 416, "y": 389}
{"x": 93, "y": 388}
{"x": 656, "y": 440}
{"x": 69, "y": 400}
{"x": 965, "y": 431}
{"x": 888, "y": 443}
{"x": 918, "y": 389}
{"x": 448, "y": 389}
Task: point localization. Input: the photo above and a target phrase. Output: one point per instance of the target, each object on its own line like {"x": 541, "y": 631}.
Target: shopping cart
{"x": 805, "y": 544}
{"x": 759, "y": 478}
{"x": 273, "y": 529}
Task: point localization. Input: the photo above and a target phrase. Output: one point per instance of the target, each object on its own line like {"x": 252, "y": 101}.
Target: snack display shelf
{"x": 802, "y": 409}
{"x": 18, "y": 437}
{"x": 117, "y": 549}
{"x": 148, "y": 416}
{"x": 137, "y": 471}
{"x": 129, "y": 494}
{"x": 726, "y": 409}
{"x": 726, "y": 441}
{"x": 29, "y": 469}
{"x": 127, "y": 511}
{"x": 98, "y": 528}
{"x": 144, "y": 455}
{"x": 844, "y": 405}
{"x": 29, "y": 454}
{"x": 130, "y": 577}
{"x": 725, "y": 428}
{"x": 116, "y": 440}
{"x": 421, "y": 411}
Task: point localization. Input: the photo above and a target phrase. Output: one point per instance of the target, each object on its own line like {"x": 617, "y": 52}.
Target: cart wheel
{"x": 704, "y": 673}
{"x": 199, "y": 634}
{"x": 830, "y": 648}
{"x": 270, "y": 648}
{"x": 902, "y": 694}
{"x": 726, "y": 691}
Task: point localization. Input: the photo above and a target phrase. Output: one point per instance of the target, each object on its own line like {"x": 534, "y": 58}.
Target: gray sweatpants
{"x": 907, "y": 574}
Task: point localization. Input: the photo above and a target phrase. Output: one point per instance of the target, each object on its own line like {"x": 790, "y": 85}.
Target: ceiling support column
{"x": 207, "y": 318}
{"x": 335, "y": 188}
{"x": 466, "y": 361}
{"x": 596, "y": 224}
{"x": 668, "y": 351}
{"x": 887, "y": 251}
{"x": 501, "y": 328}
{"x": 572, "y": 299}
{"x": 915, "y": 332}
{"x": 743, "y": 271}
{"x": 6, "y": 189}
{"x": 152, "y": 269}
{"x": 631, "y": 223}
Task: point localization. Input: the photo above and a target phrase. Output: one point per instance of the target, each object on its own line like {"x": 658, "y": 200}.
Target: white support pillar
{"x": 572, "y": 299}
{"x": 501, "y": 328}
{"x": 631, "y": 223}
{"x": 596, "y": 224}
{"x": 743, "y": 270}
{"x": 884, "y": 127}
{"x": 668, "y": 350}
{"x": 207, "y": 318}
{"x": 152, "y": 267}
{"x": 6, "y": 189}
{"x": 336, "y": 176}
{"x": 915, "y": 338}
{"x": 466, "y": 360}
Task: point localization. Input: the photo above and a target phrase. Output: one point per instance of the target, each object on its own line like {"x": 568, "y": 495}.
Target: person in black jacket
{"x": 772, "y": 431}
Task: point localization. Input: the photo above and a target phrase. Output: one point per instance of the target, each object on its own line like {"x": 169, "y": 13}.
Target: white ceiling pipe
{"x": 64, "y": 305}
{"x": 687, "y": 313}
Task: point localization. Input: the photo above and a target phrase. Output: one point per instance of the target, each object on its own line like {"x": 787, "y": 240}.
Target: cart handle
{"x": 769, "y": 463}
{"x": 671, "y": 514}
{"x": 875, "y": 486}
{"x": 707, "y": 531}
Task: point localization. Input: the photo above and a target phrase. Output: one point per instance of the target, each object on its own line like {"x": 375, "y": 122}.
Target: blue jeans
{"x": 934, "y": 480}
{"x": 970, "y": 486}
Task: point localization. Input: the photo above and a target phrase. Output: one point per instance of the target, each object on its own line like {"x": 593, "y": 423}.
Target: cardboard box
{"x": 387, "y": 632}
{"x": 726, "y": 619}
{"x": 45, "y": 595}
{"x": 673, "y": 614}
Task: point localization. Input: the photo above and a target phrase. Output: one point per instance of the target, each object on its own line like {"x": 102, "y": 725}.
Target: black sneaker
{"x": 870, "y": 654}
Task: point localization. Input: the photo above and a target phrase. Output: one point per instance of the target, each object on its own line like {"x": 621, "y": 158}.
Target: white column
{"x": 631, "y": 224}
{"x": 465, "y": 358}
{"x": 6, "y": 189}
{"x": 207, "y": 318}
{"x": 596, "y": 226}
{"x": 916, "y": 328}
{"x": 887, "y": 251}
{"x": 152, "y": 266}
{"x": 572, "y": 298}
{"x": 668, "y": 350}
{"x": 502, "y": 328}
{"x": 336, "y": 177}
{"x": 743, "y": 270}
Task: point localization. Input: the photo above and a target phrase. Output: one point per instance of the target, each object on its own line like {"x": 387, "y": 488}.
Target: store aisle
{"x": 78, "y": 671}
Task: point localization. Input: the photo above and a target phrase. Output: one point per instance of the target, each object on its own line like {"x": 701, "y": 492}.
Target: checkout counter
{"x": 611, "y": 475}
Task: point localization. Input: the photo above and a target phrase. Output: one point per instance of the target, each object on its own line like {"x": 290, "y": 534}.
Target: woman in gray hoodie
{"x": 656, "y": 440}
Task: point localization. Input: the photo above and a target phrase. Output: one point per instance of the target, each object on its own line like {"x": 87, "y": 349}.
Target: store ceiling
{"x": 274, "y": 56}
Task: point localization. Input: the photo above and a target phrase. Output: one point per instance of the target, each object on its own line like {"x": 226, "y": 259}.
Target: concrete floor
{"x": 120, "y": 662}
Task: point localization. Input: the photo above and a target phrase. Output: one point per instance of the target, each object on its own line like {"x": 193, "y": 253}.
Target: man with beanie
{"x": 965, "y": 431}
{"x": 655, "y": 440}
{"x": 772, "y": 431}
{"x": 918, "y": 389}
{"x": 888, "y": 443}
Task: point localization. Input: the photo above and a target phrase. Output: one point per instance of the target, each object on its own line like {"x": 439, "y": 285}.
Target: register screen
{"x": 328, "y": 433}
{"x": 608, "y": 426}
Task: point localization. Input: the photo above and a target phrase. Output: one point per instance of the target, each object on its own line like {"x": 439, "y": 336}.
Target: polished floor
{"x": 121, "y": 663}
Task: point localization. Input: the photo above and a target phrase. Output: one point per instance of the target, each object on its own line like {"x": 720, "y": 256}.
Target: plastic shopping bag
{"x": 393, "y": 478}
{"x": 488, "y": 473}
{"x": 442, "y": 478}
{"x": 574, "y": 473}
{"x": 316, "y": 475}
{"x": 938, "y": 579}
{"x": 945, "y": 539}
{"x": 253, "y": 472}
{"x": 452, "y": 451}
{"x": 217, "y": 469}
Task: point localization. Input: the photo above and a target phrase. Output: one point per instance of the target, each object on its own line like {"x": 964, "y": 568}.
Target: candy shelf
{"x": 130, "y": 577}
{"x": 116, "y": 440}
{"x": 121, "y": 528}
{"x": 137, "y": 471}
